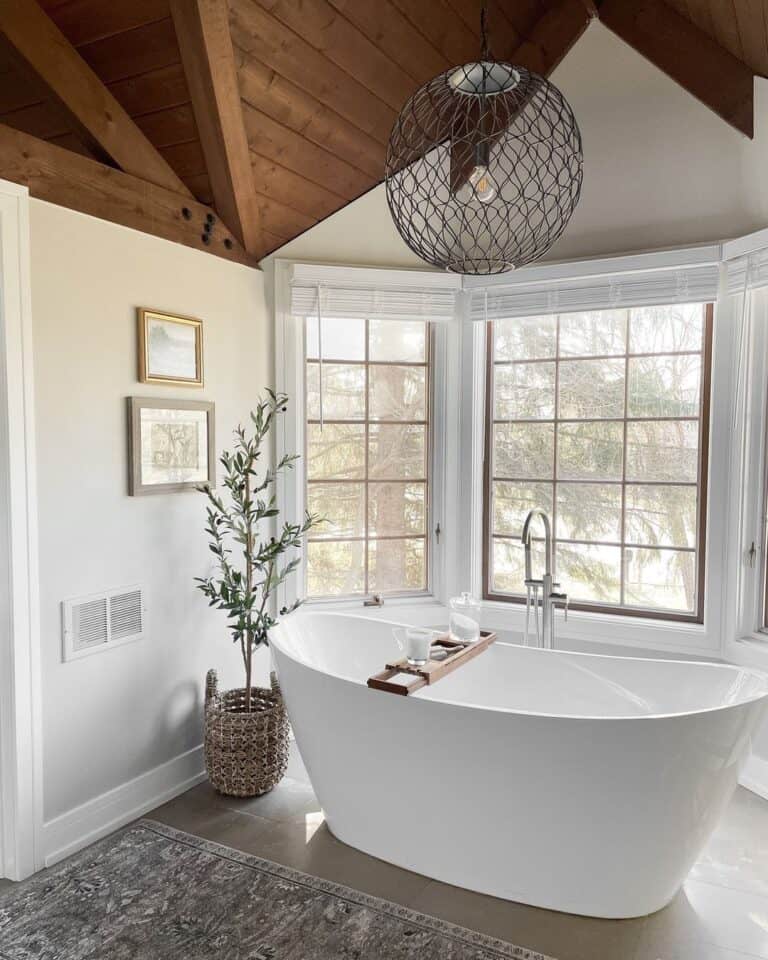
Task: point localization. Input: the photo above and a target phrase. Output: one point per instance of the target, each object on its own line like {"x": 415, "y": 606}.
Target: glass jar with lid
{"x": 464, "y": 618}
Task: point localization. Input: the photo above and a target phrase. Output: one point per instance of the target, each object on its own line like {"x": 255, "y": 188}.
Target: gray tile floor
{"x": 722, "y": 913}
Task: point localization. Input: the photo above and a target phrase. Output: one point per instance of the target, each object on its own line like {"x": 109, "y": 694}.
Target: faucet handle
{"x": 563, "y": 598}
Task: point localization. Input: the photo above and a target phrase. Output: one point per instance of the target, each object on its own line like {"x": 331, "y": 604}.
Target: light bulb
{"x": 479, "y": 185}
{"x": 483, "y": 184}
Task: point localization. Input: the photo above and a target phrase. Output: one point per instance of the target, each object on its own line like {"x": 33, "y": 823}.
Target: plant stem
{"x": 249, "y": 587}
{"x": 245, "y": 595}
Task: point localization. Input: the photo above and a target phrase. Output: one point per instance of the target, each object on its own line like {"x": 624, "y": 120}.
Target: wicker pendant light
{"x": 484, "y": 167}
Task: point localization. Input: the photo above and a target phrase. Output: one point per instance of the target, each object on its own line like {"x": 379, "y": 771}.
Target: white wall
{"x": 114, "y": 716}
{"x": 660, "y": 169}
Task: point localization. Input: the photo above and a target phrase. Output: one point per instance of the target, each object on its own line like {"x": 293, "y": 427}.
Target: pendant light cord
{"x": 482, "y": 148}
{"x": 485, "y": 52}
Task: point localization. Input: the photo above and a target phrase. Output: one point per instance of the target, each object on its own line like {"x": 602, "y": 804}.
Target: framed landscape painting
{"x": 170, "y": 445}
{"x": 170, "y": 349}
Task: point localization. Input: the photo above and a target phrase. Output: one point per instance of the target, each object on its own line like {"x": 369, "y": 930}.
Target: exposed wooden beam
{"x": 202, "y": 27}
{"x": 65, "y": 178}
{"x": 98, "y": 117}
{"x": 686, "y": 54}
{"x": 552, "y": 36}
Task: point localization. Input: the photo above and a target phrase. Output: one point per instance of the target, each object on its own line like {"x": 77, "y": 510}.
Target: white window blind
{"x": 636, "y": 288}
{"x": 750, "y": 272}
{"x": 667, "y": 277}
{"x": 357, "y": 292}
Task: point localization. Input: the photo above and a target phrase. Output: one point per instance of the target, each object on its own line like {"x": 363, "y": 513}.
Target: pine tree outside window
{"x": 601, "y": 418}
{"x": 368, "y": 456}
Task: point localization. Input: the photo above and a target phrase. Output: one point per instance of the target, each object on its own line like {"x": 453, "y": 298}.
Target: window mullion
{"x": 554, "y": 447}
{"x": 366, "y": 457}
{"x": 623, "y": 530}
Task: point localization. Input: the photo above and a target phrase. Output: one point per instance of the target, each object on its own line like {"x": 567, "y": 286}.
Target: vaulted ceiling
{"x": 235, "y": 125}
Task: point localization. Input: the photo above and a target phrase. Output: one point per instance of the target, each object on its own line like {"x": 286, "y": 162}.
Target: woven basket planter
{"x": 246, "y": 754}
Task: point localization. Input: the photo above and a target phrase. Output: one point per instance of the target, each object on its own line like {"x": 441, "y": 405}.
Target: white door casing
{"x": 20, "y": 727}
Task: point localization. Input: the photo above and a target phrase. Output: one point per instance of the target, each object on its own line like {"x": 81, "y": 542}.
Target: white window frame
{"x": 291, "y": 485}
{"x": 459, "y": 375}
{"x": 21, "y": 767}
{"x": 693, "y": 639}
{"x": 745, "y": 640}
{"x": 649, "y": 633}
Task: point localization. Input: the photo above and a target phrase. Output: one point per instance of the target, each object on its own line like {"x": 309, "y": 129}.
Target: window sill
{"x": 583, "y": 626}
{"x": 582, "y": 631}
{"x": 614, "y": 620}
{"x": 749, "y": 651}
{"x": 422, "y": 610}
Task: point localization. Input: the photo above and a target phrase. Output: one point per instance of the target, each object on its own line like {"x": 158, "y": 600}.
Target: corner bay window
{"x": 601, "y": 419}
{"x": 367, "y": 455}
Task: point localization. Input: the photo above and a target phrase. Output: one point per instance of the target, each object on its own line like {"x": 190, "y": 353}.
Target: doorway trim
{"x": 21, "y": 810}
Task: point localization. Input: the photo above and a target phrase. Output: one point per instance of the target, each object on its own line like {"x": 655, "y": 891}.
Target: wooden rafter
{"x": 80, "y": 183}
{"x": 552, "y": 36}
{"x": 202, "y": 28}
{"x": 98, "y": 117}
{"x": 686, "y": 54}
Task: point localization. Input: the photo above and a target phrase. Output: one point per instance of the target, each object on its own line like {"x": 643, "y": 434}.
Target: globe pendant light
{"x": 483, "y": 167}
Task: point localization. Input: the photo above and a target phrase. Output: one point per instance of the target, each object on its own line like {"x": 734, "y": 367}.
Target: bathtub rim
{"x": 751, "y": 671}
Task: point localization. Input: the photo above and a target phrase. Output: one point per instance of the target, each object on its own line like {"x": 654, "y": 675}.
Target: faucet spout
{"x": 545, "y": 637}
{"x": 526, "y": 537}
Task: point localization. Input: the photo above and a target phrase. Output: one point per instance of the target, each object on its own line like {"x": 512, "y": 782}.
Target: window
{"x": 601, "y": 419}
{"x": 367, "y": 456}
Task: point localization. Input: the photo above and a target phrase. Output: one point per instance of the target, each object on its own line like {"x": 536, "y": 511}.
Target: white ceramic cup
{"x": 415, "y": 643}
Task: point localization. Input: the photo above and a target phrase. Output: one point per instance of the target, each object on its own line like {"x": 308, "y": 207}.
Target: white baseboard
{"x": 755, "y": 776}
{"x": 96, "y": 818}
{"x": 93, "y": 820}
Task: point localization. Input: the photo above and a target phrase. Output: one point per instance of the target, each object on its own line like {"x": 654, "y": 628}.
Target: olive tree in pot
{"x": 246, "y": 729}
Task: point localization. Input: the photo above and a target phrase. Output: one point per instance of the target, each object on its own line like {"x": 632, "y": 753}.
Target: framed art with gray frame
{"x": 170, "y": 349}
{"x": 170, "y": 445}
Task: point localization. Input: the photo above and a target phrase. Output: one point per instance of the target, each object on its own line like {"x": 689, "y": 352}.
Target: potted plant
{"x": 246, "y": 729}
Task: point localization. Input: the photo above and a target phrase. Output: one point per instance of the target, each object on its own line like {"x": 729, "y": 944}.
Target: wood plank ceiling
{"x": 302, "y": 94}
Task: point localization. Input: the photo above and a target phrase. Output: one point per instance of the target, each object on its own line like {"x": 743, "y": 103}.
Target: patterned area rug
{"x": 150, "y": 892}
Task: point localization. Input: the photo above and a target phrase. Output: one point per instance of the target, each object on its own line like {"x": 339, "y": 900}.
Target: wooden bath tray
{"x": 432, "y": 671}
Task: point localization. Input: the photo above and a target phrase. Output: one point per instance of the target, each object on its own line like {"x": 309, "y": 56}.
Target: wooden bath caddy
{"x": 433, "y": 670}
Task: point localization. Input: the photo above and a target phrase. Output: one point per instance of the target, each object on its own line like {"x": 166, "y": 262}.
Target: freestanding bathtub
{"x": 581, "y": 783}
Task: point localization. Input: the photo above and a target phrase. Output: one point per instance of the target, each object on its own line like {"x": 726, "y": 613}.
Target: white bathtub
{"x": 581, "y": 783}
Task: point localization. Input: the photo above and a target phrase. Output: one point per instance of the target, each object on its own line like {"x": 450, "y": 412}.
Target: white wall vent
{"x": 102, "y": 621}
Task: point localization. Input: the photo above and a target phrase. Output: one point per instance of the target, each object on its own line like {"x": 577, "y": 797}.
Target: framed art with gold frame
{"x": 170, "y": 349}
